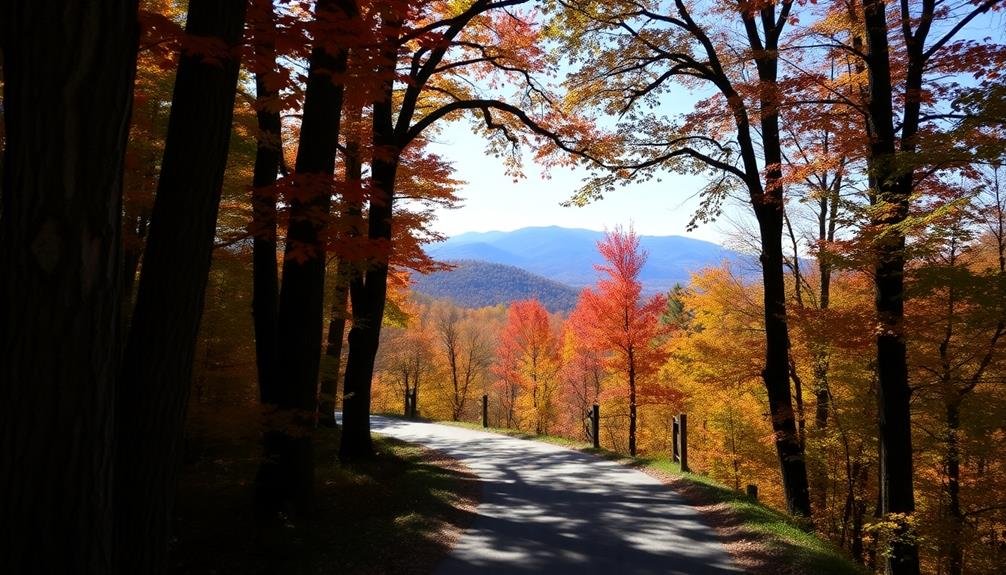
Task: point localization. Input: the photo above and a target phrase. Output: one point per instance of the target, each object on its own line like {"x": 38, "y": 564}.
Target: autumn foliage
{"x": 169, "y": 166}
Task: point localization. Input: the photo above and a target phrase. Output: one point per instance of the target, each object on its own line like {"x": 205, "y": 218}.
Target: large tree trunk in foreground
{"x": 157, "y": 367}
{"x": 892, "y": 193}
{"x": 68, "y": 71}
{"x": 286, "y": 477}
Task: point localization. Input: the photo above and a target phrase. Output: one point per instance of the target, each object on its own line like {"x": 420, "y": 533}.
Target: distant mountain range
{"x": 480, "y": 284}
{"x": 568, "y": 256}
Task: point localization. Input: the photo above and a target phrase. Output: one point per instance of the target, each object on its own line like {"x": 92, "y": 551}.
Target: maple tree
{"x": 264, "y": 224}
{"x": 527, "y": 356}
{"x": 679, "y": 43}
{"x": 616, "y": 319}
{"x": 467, "y": 353}
{"x": 409, "y": 360}
{"x": 581, "y": 372}
{"x": 442, "y": 47}
{"x": 287, "y": 476}
{"x": 895, "y": 158}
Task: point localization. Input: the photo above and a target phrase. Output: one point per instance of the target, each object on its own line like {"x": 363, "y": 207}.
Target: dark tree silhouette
{"x": 68, "y": 83}
{"x": 157, "y": 365}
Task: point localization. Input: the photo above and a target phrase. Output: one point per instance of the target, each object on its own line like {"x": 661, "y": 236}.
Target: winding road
{"x": 551, "y": 510}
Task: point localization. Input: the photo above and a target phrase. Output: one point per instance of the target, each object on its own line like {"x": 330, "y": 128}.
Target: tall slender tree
{"x": 616, "y": 320}
{"x": 268, "y": 158}
{"x": 286, "y": 478}
{"x": 528, "y": 353}
{"x": 894, "y": 164}
{"x": 68, "y": 71}
{"x": 157, "y": 365}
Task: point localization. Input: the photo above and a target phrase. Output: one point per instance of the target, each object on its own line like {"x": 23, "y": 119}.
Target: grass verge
{"x": 396, "y": 514}
{"x": 760, "y": 539}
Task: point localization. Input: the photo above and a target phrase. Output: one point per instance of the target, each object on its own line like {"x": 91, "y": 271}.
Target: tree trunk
{"x": 768, "y": 210}
{"x": 157, "y": 367}
{"x": 767, "y": 203}
{"x": 352, "y": 227}
{"x": 893, "y": 188}
{"x": 328, "y": 388}
{"x": 131, "y": 257}
{"x": 821, "y": 388}
{"x": 406, "y": 411}
{"x": 265, "y": 281}
{"x": 955, "y": 550}
{"x": 370, "y": 291}
{"x": 369, "y": 296}
{"x": 268, "y": 155}
{"x": 776, "y": 372}
{"x": 827, "y": 221}
{"x": 68, "y": 84}
{"x": 632, "y": 405}
{"x": 286, "y": 477}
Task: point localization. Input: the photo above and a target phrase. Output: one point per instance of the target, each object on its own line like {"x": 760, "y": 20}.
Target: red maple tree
{"x": 527, "y": 358}
{"x": 617, "y": 319}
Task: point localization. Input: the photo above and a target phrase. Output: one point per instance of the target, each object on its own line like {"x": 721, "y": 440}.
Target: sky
{"x": 493, "y": 202}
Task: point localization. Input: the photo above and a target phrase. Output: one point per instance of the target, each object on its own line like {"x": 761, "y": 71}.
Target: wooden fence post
{"x": 679, "y": 440}
{"x": 595, "y": 422}
{"x": 674, "y": 438}
{"x": 485, "y": 410}
{"x": 683, "y": 437}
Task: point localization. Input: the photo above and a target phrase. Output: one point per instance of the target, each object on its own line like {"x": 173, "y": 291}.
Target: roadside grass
{"x": 788, "y": 545}
{"x": 781, "y": 544}
{"x": 396, "y": 514}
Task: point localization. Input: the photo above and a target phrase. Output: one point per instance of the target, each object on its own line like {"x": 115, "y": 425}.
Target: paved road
{"x": 550, "y": 510}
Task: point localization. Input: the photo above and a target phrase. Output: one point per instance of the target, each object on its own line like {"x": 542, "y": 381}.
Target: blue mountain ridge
{"x": 568, "y": 255}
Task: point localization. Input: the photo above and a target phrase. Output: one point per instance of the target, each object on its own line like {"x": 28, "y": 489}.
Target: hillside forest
{"x": 212, "y": 212}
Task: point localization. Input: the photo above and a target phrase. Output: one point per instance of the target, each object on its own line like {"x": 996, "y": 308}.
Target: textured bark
{"x": 288, "y": 468}
{"x": 776, "y": 371}
{"x": 68, "y": 82}
{"x": 767, "y": 202}
{"x": 892, "y": 189}
{"x": 157, "y": 366}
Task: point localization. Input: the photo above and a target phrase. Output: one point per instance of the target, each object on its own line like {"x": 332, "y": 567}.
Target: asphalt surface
{"x": 551, "y": 510}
